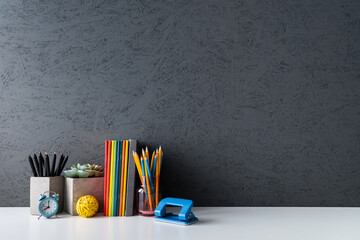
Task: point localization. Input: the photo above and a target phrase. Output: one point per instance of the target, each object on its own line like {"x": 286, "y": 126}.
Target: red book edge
{"x": 105, "y": 176}
{"x": 108, "y": 178}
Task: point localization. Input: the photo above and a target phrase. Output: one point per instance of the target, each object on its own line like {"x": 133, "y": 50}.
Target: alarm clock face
{"x": 48, "y": 207}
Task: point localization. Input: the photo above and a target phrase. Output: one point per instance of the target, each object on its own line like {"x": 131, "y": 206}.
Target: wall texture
{"x": 255, "y": 102}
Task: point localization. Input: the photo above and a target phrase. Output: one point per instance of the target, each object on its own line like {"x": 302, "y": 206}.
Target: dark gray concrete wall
{"x": 254, "y": 102}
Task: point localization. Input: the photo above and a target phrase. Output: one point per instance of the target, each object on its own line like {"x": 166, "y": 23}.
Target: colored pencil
{"x": 52, "y": 172}
{"x": 158, "y": 177}
{"x": 152, "y": 162}
{"x": 32, "y": 166}
{"x": 47, "y": 164}
{"x": 147, "y": 153}
{"x": 149, "y": 174}
{"x": 105, "y": 177}
{"x": 137, "y": 163}
{"x": 63, "y": 165}
{"x": 143, "y": 153}
{"x": 125, "y": 177}
{"x": 138, "y": 166}
{"x": 58, "y": 170}
{"x": 143, "y": 177}
{"x": 148, "y": 186}
{"x": 41, "y": 165}
{"x": 155, "y": 160}
{"x": 36, "y": 162}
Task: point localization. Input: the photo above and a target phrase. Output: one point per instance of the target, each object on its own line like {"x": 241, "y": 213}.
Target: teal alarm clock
{"x": 48, "y": 206}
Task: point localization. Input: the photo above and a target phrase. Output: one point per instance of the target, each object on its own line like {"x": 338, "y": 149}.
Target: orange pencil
{"x": 158, "y": 176}
{"x": 152, "y": 161}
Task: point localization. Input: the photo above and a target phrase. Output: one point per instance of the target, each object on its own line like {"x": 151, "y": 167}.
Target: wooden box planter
{"x": 78, "y": 187}
{"x": 38, "y": 185}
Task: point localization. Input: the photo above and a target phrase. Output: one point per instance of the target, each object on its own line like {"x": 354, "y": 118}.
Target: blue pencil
{"x": 144, "y": 181}
{"x": 150, "y": 178}
{"x": 154, "y": 166}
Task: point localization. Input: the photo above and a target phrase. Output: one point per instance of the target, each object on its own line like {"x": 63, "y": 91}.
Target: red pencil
{"x": 122, "y": 179}
{"x": 105, "y": 177}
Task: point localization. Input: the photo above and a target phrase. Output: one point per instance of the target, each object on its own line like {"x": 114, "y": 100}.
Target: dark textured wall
{"x": 254, "y": 102}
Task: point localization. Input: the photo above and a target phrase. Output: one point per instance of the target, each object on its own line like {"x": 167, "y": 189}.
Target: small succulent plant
{"x": 84, "y": 171}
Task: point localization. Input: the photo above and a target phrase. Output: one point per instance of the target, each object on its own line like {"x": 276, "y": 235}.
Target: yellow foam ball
{"x": 87, "y": 206}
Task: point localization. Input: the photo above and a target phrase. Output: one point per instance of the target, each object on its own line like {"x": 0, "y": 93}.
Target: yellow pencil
{"x": 138, "y": 166}
{"x": 143, "y": 153}
{"x": 137, "y": 163}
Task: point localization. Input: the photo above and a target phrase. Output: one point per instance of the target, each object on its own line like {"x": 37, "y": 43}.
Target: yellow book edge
{"x": 125, "y": 177}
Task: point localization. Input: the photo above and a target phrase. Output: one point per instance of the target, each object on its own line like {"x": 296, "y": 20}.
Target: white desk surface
{"x": 222, "y": 223}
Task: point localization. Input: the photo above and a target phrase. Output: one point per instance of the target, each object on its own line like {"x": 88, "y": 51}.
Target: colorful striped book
{"x": 119, "y": 184}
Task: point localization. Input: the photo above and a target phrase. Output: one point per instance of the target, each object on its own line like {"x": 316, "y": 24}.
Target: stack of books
{"x": 119, "y": 178}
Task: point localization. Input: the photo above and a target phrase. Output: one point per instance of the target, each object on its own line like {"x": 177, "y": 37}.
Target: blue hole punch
{"x": 185, "y": 216}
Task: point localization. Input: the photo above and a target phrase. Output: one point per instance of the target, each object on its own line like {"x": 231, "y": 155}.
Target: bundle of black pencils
{"x": 40, "y": 166}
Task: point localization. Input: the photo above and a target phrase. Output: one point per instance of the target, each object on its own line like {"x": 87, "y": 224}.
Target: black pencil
{"x": 32, "y": 166}
{"x": 60, "y": 164}
{"x": 41, "y": 164}
{"x": 36, "y": 165}
{"x": 52, "y": 173}
{"x": 47, "y": 164}
{"x": 63, "y": 165}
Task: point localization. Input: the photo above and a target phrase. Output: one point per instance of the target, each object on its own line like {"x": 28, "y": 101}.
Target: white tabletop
{"x": 215, "y": 223}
